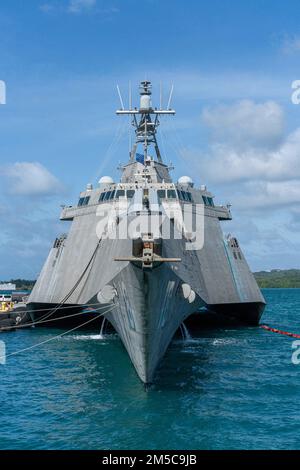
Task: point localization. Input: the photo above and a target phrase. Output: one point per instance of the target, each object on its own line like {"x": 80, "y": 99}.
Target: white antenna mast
{"x": 129, "y": 120}
{"x": 120, "y": 97}
{"x": 160, "y": 95}
{"x": 170, "y": 97}
{"x": 130, "y": 96}
{"x": 145, "y": 119}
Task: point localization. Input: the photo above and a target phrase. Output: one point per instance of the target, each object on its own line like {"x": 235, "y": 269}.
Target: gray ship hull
{"x": 145, "y": 307}
{"x": 148, "y": 284}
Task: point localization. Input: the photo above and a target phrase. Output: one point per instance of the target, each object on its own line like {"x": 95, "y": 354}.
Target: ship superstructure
{"x": 146, "y": 250}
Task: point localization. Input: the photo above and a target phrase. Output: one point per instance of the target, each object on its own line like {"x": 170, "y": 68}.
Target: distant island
{"x": 288, "y": 278}
{"x": 280, "y": 278}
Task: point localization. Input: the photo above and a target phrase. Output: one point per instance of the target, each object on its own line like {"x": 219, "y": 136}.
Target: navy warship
{"x": 145, "y": 253}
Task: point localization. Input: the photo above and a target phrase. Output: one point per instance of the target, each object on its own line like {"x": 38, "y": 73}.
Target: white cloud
{"x": 78, "y": 6}
{"x": 46, "y": 8}
{"x": 246, "y": 123}
{"x": 225, "y": 163}
{"x": 294, "y": 222}
{"x": 250, "y": 159}
{"x": 31, "y": 179}
{"x": 249, "y": 144}
{"x": 269, "y": 194}
{"x": 291, "y": 45}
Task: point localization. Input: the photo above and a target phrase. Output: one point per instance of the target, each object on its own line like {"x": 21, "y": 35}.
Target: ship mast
{"x": 145, "y": 120}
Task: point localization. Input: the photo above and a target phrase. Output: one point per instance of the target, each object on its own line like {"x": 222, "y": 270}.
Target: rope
{"x": 82, "y": 275}
{"x": 27, "y": 325}
{"x": 60, "y": 305}
{"x": 63, "y": 307}
{"x": 75, "y": 285}
{"x": 174, "y": 140}
{"x": 280, "y": 332}
{"x": 56, "y": 336}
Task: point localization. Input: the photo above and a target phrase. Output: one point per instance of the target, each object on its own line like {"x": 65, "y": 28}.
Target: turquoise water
{"x": 25, "y": 292}
{"x": 224, "y": 389}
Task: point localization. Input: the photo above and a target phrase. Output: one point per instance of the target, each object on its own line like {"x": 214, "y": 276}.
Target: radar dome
{"x": 106, "y": 180}
{"x": 186, "y": 181}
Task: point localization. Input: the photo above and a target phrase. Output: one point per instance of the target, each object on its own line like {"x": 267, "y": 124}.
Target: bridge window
{"x": 130, "y": 193}
{"x": 171, "y": 194}
{"x": 120, "y": 193}
{"x": 107, "y": 196}
{"x": 83, "y": 201}
{"x": 184, "y": 196}
{"x": 161, "y": 194}
{"x": 208, "y": 201}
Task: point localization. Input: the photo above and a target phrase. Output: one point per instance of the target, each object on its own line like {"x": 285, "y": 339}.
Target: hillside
{"x": 289, "y": 278}
{"x": 278, "y": 278}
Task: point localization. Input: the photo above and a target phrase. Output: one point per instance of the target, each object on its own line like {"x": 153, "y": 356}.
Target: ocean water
{"x": 232, "y": 388}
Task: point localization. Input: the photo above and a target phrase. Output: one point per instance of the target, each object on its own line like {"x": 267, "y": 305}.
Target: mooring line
{"x": 71, "y": 292}
{"x": 280, "y": 332}
{"x": 63, "y": 307}
{"x": 65, "y": 317}
{"x": 56, "y": 336}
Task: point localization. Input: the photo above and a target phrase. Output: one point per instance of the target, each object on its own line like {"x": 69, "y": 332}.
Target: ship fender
{"x": 106, "y": 295}
{"x": 188, "y": 293}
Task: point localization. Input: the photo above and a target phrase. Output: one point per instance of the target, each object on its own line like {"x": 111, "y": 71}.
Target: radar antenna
{"x": 145, "y": 127}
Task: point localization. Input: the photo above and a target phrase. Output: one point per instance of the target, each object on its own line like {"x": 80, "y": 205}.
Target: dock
{"x": 11, "y": 319}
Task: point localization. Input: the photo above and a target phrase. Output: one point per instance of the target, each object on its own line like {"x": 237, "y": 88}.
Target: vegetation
{"x": 279, "y": 278}
{"x": 289, "y": 278}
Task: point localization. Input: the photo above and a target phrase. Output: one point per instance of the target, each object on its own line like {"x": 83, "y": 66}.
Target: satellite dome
{"x": 106, "y": 180}
{"x": 186, "y": 181}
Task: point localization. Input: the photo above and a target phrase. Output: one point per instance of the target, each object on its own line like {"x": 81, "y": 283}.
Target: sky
{"x": 236, "y": 128}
